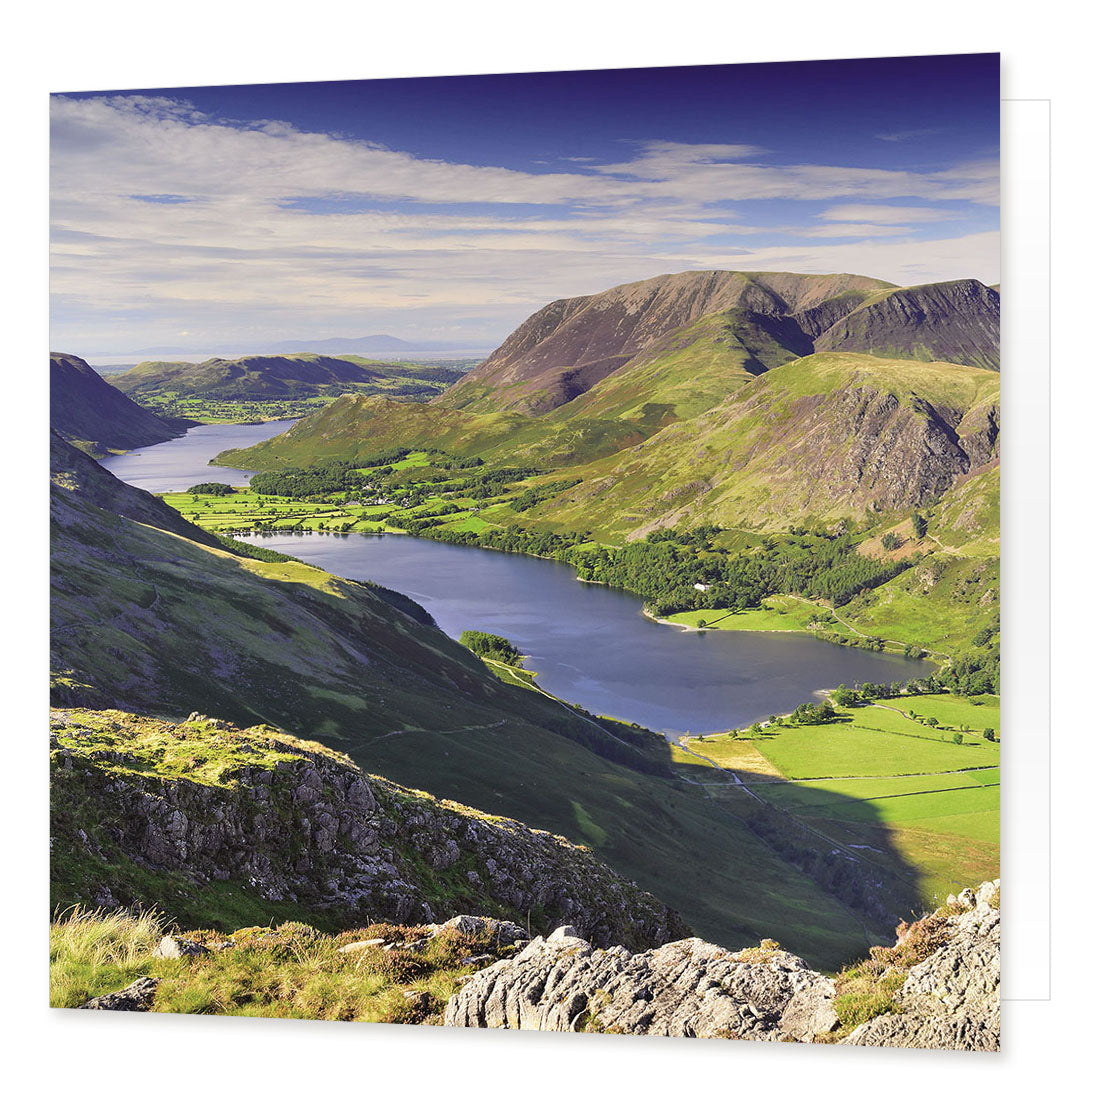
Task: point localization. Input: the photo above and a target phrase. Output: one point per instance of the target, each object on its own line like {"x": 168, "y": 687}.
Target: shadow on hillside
{"x": 842, "y": 844}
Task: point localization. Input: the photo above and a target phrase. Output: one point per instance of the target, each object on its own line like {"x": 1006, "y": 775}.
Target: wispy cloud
{"x": 906, "y": 135}
{"x": 176, "y": 220}
{"x": 886, "y": 215}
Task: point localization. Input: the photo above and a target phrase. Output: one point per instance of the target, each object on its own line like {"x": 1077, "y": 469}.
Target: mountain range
{"x": 376, "y": 344}
{"x": 274, "y": 377}
{"x": 570, "y": 346}
{"x": 720, "y": 397}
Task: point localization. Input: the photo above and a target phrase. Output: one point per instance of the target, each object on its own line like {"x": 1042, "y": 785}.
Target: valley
{"x": 780, "y": 471}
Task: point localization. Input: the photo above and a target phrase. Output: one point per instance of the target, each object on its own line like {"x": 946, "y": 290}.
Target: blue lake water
{"x": 589, "y": 644}
{"x": 182, "y": 462}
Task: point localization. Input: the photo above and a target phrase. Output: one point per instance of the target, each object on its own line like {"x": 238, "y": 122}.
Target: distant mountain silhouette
{"x": 377, "y": 344}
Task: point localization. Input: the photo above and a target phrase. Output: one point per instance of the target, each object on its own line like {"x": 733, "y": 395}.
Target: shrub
{"x": 211, "y": 488}
{"x": 491, "y": 645}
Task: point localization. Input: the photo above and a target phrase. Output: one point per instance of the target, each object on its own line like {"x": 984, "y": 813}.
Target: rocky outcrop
{"x": 291, "y": 822}
{"x": 689, "y": 988}
{"x": 92, "y": 413}
{"x": 949, "y": 998}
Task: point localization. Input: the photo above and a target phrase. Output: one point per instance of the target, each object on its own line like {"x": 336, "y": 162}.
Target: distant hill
{"x": 95, "y": 416}
{"x": 730, "y": 325}
{"x": 377, "y": 344}
{"x": 268, "y": 377}
{"x": 380, "y": 344}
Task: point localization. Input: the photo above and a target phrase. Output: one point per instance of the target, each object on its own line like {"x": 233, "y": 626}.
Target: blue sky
{"x": 451, "y": 208}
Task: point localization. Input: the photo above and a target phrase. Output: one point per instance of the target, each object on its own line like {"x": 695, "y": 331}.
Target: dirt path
{"x": 460, "y": 729}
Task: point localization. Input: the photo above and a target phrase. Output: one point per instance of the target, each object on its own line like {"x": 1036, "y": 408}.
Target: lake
{"x": 589, "y": 644}
{"x": 182, "y": 462}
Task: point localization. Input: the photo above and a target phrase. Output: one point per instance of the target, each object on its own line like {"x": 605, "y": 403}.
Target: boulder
{"x": 503, "y": 931}
{"x": 174, "y": 947}
{"x": 360, "y": 945}
{"x": 136, "y": 997}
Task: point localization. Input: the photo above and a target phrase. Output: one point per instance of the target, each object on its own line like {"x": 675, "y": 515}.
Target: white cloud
{"x": 885, "y": 215}
{"x": 262, "y": 226}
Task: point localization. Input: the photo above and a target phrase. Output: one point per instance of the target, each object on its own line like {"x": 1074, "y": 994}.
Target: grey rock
{"x": 951, "y": 1000}
{"x": 175, "y": 947}
{"x": 136, "y": 997}
{"x": 360, "y": 945}
{"x": 686, "y": 988}
{"x": 504, "y": 931}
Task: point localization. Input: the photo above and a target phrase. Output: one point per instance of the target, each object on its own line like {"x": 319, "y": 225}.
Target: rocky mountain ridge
{"x": 145, "y": 809}
{"x": 570, "y": 346}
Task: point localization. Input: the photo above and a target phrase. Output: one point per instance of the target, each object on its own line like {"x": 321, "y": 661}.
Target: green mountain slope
{"x": 156, "y": 623}
{"x": 91, "y": 413}
{"x": 827, "y": 436}
{"x": 73, "y": 471}
{"x": 357, "y": 428}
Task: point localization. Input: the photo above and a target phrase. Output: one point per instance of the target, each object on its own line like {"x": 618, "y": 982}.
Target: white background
{"x": 68, "y": 46}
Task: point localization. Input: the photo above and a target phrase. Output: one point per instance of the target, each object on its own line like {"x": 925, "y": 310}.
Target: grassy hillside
{"x": 73, "y": 471}
{"x": 358, "y": 428}
{"x": 95, "y": 417}
{"x": 403, "y": 975}
{"x": 157, "y": 623}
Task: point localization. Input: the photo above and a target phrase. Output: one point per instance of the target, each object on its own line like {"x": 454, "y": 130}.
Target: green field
{"x": 845, "y": 749}
{"x": 900, "y": 793}
{"x": 434, "y": 489}
{"x": 777, "y": 613}
{"x": 209, "y": 410}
